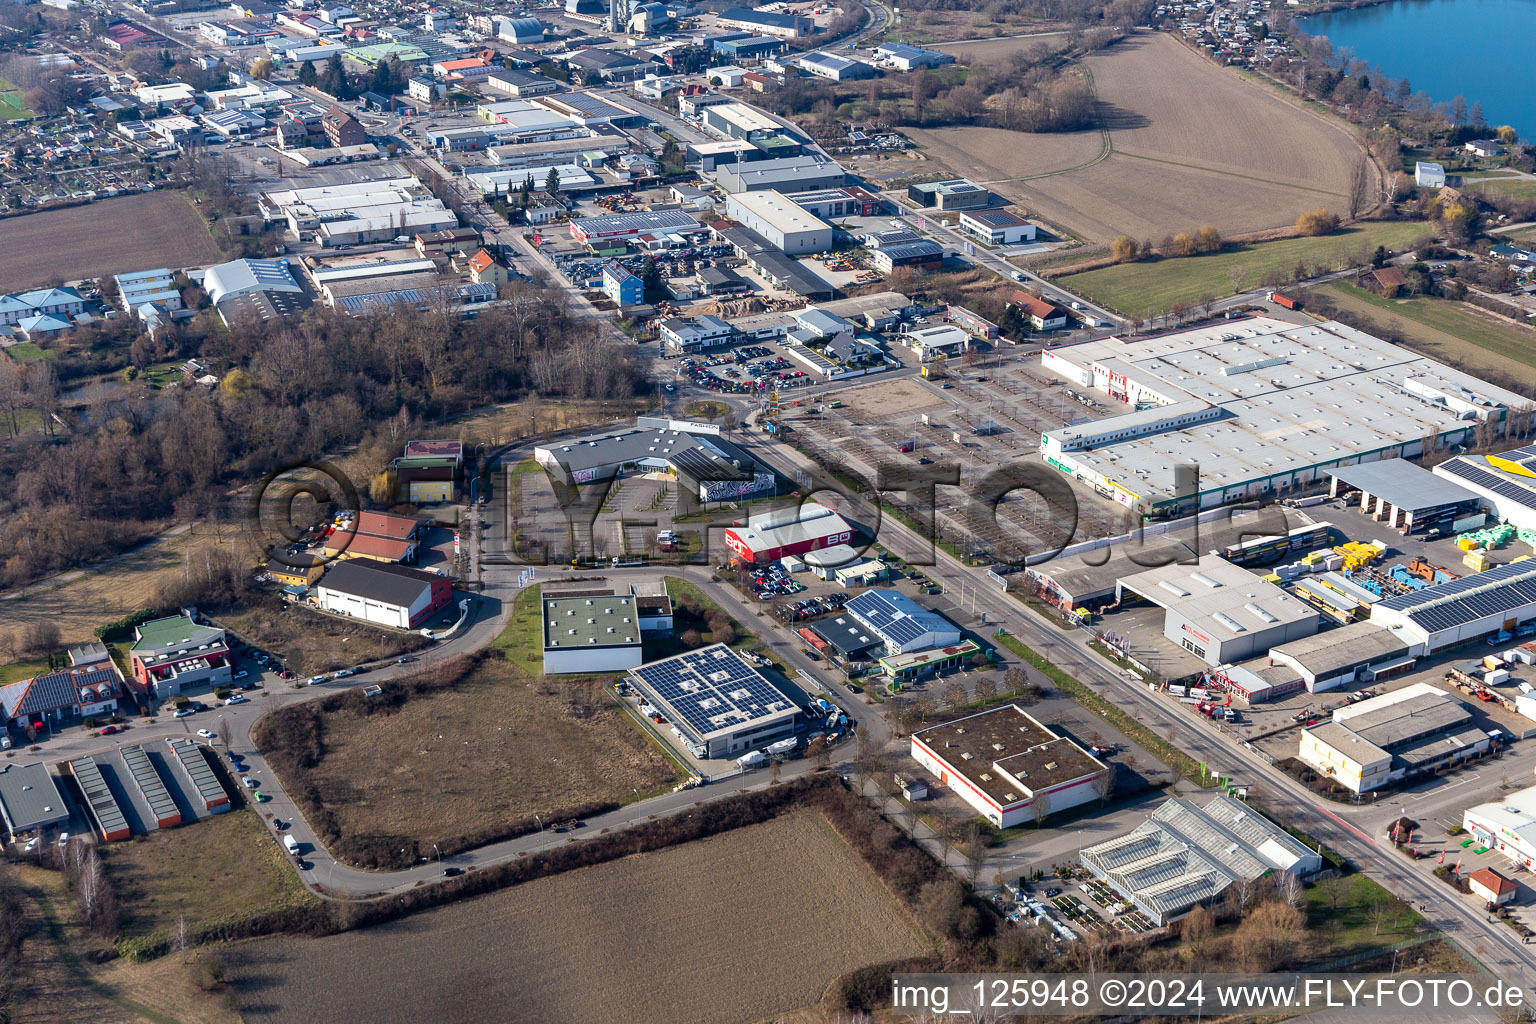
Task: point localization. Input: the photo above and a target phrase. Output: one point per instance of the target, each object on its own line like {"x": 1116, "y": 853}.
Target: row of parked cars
{"x": 774, "y": 580}
{"x": 811, "y": 607}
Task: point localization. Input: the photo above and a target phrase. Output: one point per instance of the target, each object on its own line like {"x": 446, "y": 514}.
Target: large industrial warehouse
{"x": 1408, "y": 497}
{"x": 1184, "y": 856}
{"x": 1260, "y": 406}
{"x": 1008, "y": 766}
{"x": 694, "y": 454}
{"x": 719, "y": 704}
{"x": 1506, "y": 482}
{"x": 786, "y": 224}
{"x": 591, "y": 633}
{"x": 1468, "y": 608}
{"x": 1220, "y": 612}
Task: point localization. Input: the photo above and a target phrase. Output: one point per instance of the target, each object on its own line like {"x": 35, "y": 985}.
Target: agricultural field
{"x": 1144, "y": 289}
{"x": 498, "y": 747}
{"x": 106, "y": 237}
{"x": 79, "y": 600}
{"x": 222, "y": 868}
{"x": 978, "y": 48}
{"x": 659, "y": 938}
{"x": 1450, "y": 331}
{"x": 1182, "y": 152}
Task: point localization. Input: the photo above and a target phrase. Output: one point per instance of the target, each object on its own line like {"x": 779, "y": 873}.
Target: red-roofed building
{"x": 484, "y": 269}
{"x": 1491, "y": 886}
{"x": 1043, "y": 315}
{"x": 124, "y": 36}
{"x": 378, "y": 536}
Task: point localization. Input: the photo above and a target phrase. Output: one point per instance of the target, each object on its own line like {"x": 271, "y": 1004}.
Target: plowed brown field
{"x": 113, "y": 236}
{"x": 733, "y": 928}
{"x": 1190, "y": 144}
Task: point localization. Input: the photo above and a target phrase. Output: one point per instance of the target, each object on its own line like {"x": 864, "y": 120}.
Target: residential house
{"x": 1042, "y": 315}
{"x": 623, "y": 287}
{"x": 62, "y": 697}
{"x": 486, "y": 269}
{"x": 1486, "y": 148}
{"x": 342, "y": 129}
{"x": 1490, "y": 886}
{"x": 1385, "y": 281}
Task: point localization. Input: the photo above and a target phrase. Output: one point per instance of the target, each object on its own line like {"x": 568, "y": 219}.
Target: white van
{"x": 291, "y": 845}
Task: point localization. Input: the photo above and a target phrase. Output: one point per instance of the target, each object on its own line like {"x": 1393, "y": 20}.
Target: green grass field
{"x": 16, "y": 671}
{"x": 1343, "y": 911}
{"x": 522, "y": 642}
{"x": 1504, "y": 188}
{"x": 1144, "y": 289}
{"x": 12, "y": 105}
{"x": 1443, "y": 329}
{"x": 27, "y": 352}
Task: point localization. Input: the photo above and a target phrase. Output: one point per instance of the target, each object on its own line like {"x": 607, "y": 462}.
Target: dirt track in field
{"x": 112, "y": 236}
{"x": 1191, "y": 144}
{"x": 733, "y": 928}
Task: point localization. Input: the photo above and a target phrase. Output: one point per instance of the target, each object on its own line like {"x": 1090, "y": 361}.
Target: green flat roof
{"x": 577, "y": 623}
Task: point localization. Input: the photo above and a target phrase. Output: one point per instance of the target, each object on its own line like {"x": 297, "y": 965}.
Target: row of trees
{"x": 296, "y": 392}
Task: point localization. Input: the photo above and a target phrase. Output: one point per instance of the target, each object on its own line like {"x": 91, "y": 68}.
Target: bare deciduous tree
{"x": 1359, "y": 187}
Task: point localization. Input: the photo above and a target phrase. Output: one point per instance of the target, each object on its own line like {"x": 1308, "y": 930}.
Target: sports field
{"x": 106, "y": 237}
{"x": 1451, "y": 331}
{"x": 1179, "y": 148}
{"x": 12, "y": 104}
{"x": 1145, "y": 289}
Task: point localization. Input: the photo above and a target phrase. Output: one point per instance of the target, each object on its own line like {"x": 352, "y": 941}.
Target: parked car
{"x": 207, "y": 734}
{"x": 316, "y": 680}
{"x": 450, "y": 872}
{"x": 183, "y": 713}
{"x": 237, "y": 699}
{"x": 261, "y": 797}
{"x": 250, "y": 783}
{"x": 108, "y": 730}
{"x": 242, "y": 674}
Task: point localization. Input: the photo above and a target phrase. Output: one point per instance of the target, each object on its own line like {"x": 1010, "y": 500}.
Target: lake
{"x": 1480, "y": 49}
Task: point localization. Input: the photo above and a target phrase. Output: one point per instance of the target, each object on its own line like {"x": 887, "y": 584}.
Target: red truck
{"x": 1284, "y": 300}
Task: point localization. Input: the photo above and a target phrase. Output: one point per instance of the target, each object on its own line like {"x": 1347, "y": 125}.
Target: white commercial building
{"x": 1250, "y": 409}
{"x": 1384, "y": 739}
{"x": 1506, "y": 482}
{"x": 359, "y": 211}
{"x": 1184, "y": 856}
{"x": 1496, "y": 600}
{"x": 387, "y": 595}
{"x": 141, "y": 286}
{"x": 996, "y": 227}
{"x": 1428, "y": 175}
{"x": 1507, "y": 825}
{"x": 1220, "y": 612}
{"x": 901, "y": 624}
{"x": 939, "y": 340}
{"x": 716, "y": 703}
{"x": 1009, "y": 767}
{"x": 590, "y": 633}
{"x": 787, "y": 225}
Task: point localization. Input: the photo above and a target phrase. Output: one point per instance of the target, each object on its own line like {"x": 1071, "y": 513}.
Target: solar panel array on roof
{"x": 1502, "y": 486}
{"x": 712, "y": 690}
{"x": 896, "y": 616}
{"x": 109, "y": 818}
{"x": 150, "y": 786}
{"x": 1496, "y": 591}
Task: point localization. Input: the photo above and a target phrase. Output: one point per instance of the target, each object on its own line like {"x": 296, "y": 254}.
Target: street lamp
{"x": 637, "y": 801}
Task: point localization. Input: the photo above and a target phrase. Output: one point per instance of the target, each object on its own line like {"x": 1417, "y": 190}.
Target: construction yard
{"x": 660, "y": 937}
{"x": 495, "y": 748}
{"x": 1177, "y": 150}
{"x": 150, "y": 230}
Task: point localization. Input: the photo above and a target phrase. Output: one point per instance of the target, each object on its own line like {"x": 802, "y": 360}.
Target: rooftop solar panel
{"x": 712, "y": 690}
{"x": 1502, "y": 486}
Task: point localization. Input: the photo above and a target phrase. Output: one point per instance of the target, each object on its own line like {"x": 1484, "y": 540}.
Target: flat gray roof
{"x": 659, "y": 445}
{"x": 1225, "y": 599}
{"x": 29, "y": 798}
{"x": 1404, "y": 484}
{"x": 1407, "y": 720}
{"x": 1337, "y": 650}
